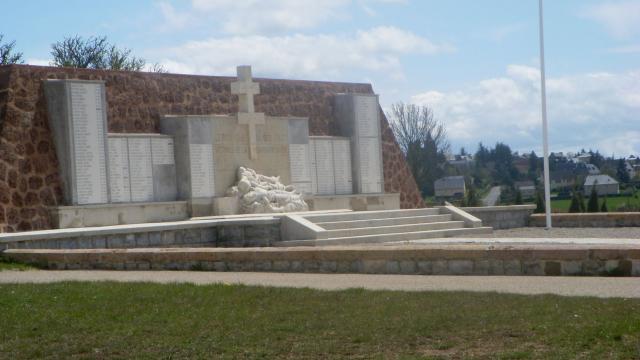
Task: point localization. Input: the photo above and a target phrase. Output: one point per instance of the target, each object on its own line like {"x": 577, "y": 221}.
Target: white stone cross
{"x": 245, "y": 88}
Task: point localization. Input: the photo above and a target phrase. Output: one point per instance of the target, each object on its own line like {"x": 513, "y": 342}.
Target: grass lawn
{"x": 612, "y": 203}
{"x": 117, "y": 320}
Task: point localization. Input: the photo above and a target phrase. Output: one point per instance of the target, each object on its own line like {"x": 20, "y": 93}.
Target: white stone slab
{"x": 370, "y": 167}
{"x": 88, "y": 139}
{"x": 366, "y": 115}
{"x": 141, "y": 172}
{"x": 162, "y": 151}
{"x": 358, "y": 117}
{"x": 119, "y": 170}
{"x": 300, "y": 164}
{"x": 325, "y": 181}
{"x": 342, "y": 166}
{"x": 202, "y": 170}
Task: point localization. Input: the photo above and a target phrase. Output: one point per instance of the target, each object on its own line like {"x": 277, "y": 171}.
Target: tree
{"x": 581, "y": 202}
{"x": 621, "y": 172}
{"x": 604, "y": 206}
{"x": 596, "y": 158}
{"x": 575, "y": 206}
{"x": 471, "y": 196}
{"x": 505, "y": 171}
{"x": 593, "y": 200}
{"x": 423, "y": 141}
{"x": 482, "y": 156}
{"x": 533, "y": 166}
{"x": 7, "y": 53}
{"x": 94, "y": 53}
{"x": 518, "y": 200}
{"x": 540, "y": 208}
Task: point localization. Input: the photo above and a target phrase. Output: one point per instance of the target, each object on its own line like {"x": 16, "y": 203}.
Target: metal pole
{"x": 545, "y": 134}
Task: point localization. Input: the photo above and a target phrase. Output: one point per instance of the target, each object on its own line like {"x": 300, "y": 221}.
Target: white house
{"x": 449, "y": 186}
{"x": 604, "y": 184}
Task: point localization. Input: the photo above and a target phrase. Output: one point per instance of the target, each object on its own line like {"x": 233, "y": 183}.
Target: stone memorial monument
{"x": 187, "y": 169}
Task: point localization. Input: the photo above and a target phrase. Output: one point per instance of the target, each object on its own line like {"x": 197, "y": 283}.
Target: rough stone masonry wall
{"x": 29, "y": 180}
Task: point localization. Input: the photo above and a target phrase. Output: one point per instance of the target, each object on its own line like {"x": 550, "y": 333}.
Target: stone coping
{"x": 368, "y": 252}
{"x": 354, "y": 195}
{"x": 134, "y": 228}
{"x": 271, "y": 215}
{"x": 117, "y": 205}
{"x": 499, "y": 208}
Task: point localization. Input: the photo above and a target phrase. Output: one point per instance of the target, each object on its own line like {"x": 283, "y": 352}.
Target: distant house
{"x": 584, "y": 158}
{"x": 450, "y": 186}
{"x": 592, "y": 169}
{"x": 461, "y": 161}
{"x": 630, "y": 169}
{"x": 527, "y": 189}
{"x": 605, "y": 184}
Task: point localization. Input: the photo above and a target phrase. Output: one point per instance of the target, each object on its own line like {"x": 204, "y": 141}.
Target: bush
{"x": 593, "y": 207}
{"x": 575, "y": 206}
{"x": 539, "y": 203}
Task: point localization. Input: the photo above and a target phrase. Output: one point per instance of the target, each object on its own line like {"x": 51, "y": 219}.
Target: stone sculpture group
{"x": 259, "y": 193}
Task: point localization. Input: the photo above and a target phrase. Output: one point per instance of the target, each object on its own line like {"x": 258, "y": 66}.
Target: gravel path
{"x": 538, "y": 232}
{"x": 529, "y": 285}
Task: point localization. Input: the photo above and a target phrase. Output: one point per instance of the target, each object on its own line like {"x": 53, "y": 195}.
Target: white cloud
{"x": 620, "y": 18}
{"x": 253, "y": 17}
{"x": 319, "y": 56}
{"x": 599, "y": 110}
{"x": 260, "y": 16}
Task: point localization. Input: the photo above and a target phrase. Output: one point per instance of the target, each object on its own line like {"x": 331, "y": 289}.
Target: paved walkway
{"x": 525, "y": 240}
{"x": 559, "y": 233}
{"x": 492, "y": 197}
{"x": 567, "y": 286}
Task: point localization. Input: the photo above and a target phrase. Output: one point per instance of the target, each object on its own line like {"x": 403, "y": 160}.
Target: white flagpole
{"x": 545, "y": 134}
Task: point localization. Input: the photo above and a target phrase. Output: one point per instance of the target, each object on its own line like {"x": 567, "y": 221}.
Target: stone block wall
{"x": 502, "y": 217}
{"x": 541, "y": 260}
{"x": 29, "y": 180}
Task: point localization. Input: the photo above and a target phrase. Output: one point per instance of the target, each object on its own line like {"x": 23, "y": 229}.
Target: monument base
{"x": 76, "y": 216}
{"x": 228, "y": 205}
{"x": 355, "y": 202}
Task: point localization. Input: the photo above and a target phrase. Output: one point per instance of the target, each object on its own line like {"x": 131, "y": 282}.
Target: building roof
{"x": 520, "y": 184}
{"x": 449, "y": 182}
{"x": 599, "y": 180}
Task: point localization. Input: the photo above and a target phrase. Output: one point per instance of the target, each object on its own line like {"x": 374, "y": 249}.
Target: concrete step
{"x": 370, "y": 215}
{"x": 395, "y": 229}
{"x": 385, "y": 238}
{"x": 337, "y": 225}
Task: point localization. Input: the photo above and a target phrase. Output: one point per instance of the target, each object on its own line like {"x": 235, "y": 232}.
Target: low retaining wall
{"x": 612, "y": 219}
{"x": 253, "y": 232}
{"x": 495, "y": 259}
{"x": 502, "y": 217}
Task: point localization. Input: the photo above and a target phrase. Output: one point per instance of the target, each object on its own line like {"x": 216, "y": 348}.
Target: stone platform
{"x": 441, "y": 257}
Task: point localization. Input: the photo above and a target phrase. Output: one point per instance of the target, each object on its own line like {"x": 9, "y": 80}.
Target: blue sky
{"x": 474, "y": 62}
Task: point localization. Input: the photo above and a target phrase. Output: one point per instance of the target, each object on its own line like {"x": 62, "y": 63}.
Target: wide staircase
{"x": 389, "y": 226}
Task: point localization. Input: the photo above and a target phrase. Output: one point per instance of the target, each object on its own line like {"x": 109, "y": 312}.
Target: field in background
{"x": 613, "y": 203}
